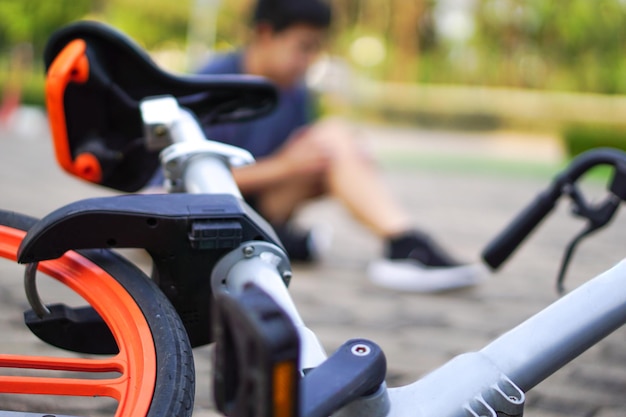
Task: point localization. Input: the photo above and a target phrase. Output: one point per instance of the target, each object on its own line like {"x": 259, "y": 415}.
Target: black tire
{"x": 174, "y": 390}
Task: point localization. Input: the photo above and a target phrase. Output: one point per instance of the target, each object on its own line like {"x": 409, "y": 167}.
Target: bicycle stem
{"x": 496, "y": 377}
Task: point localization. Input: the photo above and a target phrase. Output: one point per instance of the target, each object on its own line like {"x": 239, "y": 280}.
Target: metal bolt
{"x": 361, "y": 350}
{"x": 248, "y": 251}
{"x": 160, "y": 130}
{"x": 171, "y": 164}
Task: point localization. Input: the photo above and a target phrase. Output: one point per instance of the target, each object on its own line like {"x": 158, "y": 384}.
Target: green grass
{"x": 477, "y": 166}
{"x": 580, "y": 137}
{"x": 467, "y": 164}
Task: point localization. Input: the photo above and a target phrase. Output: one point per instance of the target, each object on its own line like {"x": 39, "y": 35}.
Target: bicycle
{"x": 210, "y": 247}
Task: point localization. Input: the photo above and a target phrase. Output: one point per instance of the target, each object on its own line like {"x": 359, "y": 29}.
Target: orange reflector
{"x": 284, "y": 387}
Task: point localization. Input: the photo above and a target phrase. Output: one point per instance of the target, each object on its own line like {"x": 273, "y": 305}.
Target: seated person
{"x": 300, "y": 158}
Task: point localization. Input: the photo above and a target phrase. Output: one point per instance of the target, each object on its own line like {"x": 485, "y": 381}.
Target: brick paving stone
{"x": 609, "y": 412}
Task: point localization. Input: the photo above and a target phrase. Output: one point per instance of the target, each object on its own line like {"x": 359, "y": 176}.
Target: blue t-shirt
{"x": 262, "y": 136}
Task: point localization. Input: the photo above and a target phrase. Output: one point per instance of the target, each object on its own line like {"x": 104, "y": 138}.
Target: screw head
{"x": 361, "y": 350}
{"x": 160, "y": 130}
{"x": 171, "y": 164}
{"x": 248, "y": 251}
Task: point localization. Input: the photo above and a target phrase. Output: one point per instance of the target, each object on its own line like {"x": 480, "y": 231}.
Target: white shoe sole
{"x": 409, "y": 275}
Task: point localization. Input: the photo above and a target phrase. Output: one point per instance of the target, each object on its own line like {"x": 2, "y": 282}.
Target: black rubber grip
{"x": 506, "y": 242}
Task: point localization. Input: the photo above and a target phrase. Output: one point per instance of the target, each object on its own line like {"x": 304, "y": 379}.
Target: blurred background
{"x": 528, "y": 65}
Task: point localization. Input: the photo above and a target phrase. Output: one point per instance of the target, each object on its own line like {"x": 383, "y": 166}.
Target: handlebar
{"x": 516, "y": 232}
{"x": 503, "y": 246}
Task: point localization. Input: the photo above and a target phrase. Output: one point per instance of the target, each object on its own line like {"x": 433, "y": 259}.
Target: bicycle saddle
{"x": 96, "y": 77}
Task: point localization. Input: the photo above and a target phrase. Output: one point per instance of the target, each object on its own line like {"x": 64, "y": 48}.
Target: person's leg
{"x": 353, "y": 179}
{"x": 278, "y": 204}
{"x": 350, "y": 177}
{"x": 414, "y": 261}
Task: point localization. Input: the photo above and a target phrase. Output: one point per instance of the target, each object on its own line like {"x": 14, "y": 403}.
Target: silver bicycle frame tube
{"x": 495, "y": 378}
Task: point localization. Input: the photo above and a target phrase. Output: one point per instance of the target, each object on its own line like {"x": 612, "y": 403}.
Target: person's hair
{"x": 281, "y": 14}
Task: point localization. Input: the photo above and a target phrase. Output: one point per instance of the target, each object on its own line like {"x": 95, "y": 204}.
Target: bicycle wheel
{"x": 151, "y": 375}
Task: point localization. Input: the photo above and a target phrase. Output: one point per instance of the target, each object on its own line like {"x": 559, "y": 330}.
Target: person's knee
{"x": 337, "y": 135}
{"x": 343, "y": 139}
{"x": 278, "y": 204}
{"x": 334, "y": 127}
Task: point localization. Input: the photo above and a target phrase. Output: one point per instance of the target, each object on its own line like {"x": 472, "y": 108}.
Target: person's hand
{"x": 304, "y": 154}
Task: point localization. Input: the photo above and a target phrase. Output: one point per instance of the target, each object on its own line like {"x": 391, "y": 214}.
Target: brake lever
{"x": 597, "y": 217}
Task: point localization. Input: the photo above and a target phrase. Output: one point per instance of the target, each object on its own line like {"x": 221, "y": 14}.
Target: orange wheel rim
{"x": 135, "y": 362}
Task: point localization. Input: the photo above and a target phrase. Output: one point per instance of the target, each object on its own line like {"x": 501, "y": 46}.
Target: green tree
{"x": 152, "y": 23}
{"x": 573, "y": 45}
{"x": 34, "y": 21}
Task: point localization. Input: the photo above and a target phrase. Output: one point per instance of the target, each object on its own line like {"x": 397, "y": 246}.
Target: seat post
{"x": 190, "y": 161}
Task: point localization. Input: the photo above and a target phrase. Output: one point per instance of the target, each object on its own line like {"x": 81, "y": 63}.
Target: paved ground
{"x": 465, "y": 204}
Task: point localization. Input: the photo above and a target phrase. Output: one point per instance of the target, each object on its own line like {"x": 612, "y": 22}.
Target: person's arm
{"x": 260, "y": 175}
{"x": 302, "y": 155}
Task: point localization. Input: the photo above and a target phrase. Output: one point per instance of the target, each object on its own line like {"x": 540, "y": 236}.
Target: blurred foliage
{"x": 32, "y": 92}
{"x": 153, "y": 24}
{"x": 570, "y": 45}
{"x": 33, "y": 21}
{"x": 575, "y": 45}
{"x": 579, "y": 138}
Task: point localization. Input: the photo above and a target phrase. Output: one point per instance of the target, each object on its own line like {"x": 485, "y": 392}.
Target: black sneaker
{"x": 416, "y": 263}
{"x": 421, "y": 247}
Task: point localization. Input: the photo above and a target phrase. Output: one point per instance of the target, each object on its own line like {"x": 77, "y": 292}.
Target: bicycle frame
{"x": 489, "y": 382}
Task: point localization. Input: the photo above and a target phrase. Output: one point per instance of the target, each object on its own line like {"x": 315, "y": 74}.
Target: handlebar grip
{"x": 499, "y": 249}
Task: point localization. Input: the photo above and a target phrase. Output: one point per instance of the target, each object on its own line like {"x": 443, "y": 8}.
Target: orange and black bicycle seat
{"x": 96, "y": 78}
